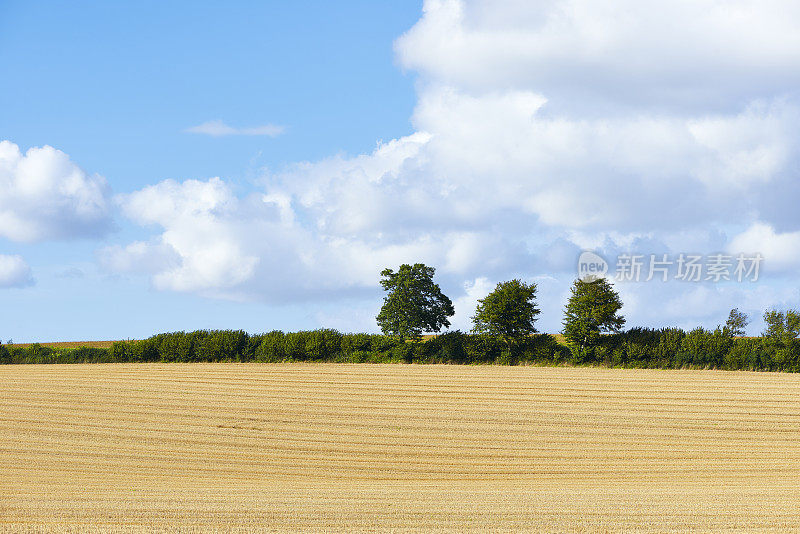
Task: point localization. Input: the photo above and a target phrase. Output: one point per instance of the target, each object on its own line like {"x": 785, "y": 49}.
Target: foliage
{"x": 591, "y": 310}
{"x": 508, "y": 312}
{"x": 637, "y": 347}
{"x": 782, "y": 327}
{"x": 414, "y": 303}
{"x": 271, "y": 348}
{"x": 736, "y": 323}
{"x": 704, "y": 348}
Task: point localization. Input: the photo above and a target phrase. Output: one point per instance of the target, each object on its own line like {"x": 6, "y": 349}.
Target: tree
{"x": 591, "y": 310}
{"x": 782, "y": 327}
{"x": 736, "y": 323}
{"x": 414, "y": 303}
{"x": 508, "y": 312}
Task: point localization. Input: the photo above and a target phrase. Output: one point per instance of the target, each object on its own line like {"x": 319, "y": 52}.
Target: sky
{"x": 191, "y": 165}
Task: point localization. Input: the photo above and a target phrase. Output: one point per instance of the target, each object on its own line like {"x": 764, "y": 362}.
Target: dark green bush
{"x": 403, "y": 352}
{"x": 380, "y": 343}
{"x": 351, "y": 343}
{"x": 322, "y": 344}
{"x": 145, "y": 350}
{"x": 222, "y": 345}
{"x": 543, "y": 348}
{"x": 704, "y": 348}
{"x": 272, "y": 347}
{"x": 120, "y": 352}
{"x": 483, "y": 348}
{"x": 178, "y": 346}
{"x": 451, "y": 348}
{"x": 86, "y": 355}
{"x": 669, "y": 345}
{"x": 295, "y": 344}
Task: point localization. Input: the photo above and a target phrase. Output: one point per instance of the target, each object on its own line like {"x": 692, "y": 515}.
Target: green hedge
{"x": 666, "y": 348}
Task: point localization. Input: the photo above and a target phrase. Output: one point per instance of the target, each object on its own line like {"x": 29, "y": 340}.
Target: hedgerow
{"x": 666, "y": 348}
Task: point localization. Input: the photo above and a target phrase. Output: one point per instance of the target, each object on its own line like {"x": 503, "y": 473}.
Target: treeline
{"x": 668, "y": 348}
{"x": 673, "y": 348}
{"x": 324, "y": 345}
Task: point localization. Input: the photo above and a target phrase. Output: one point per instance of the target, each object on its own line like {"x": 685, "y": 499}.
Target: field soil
{"x": 337, "y": 447}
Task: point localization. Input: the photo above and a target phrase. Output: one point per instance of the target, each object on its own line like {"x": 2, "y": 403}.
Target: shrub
{"x": 39, "y": 354}
{"x": 669, "y": 345}
{"x": 380, "y": 343}
{"x": 221, "y": 345}
{"x": 638, "y": 347}
{"x": 250, "y": 349}
{"x": 322, "y": 344}
{"x": 355, "y": 343}
{"x": 483, "y": 348}
{"x": 403, "y": 352}
{"x": 451, "y": 347}
{"x": 85, "y": 355}
{"x": 748, "y": 353}
{"x": 507, "y": 357}
{"x": 177, "y": 346}
{"x": 271, "y": 348}
{"x": 120, "y": 352}
{"x": 295, "y": 345}
{"x": 543, "y": 348}
{"x": 704, "y": 348}
{"x": 145, "y": 350}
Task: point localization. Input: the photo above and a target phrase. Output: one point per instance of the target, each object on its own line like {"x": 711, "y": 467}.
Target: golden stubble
{"x": 340, "y": 447}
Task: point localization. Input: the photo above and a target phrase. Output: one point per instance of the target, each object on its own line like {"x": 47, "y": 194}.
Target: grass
{"x": 338, "y": 447}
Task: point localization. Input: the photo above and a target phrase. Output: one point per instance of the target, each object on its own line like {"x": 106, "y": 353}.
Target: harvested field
{"x": 334, "y": 447}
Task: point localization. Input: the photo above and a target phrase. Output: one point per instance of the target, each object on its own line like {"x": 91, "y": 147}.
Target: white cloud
{"x": 218, "y": 128}
{"x": 139, "y": 258}
{"x": 474, "y": 290}
{"x": 781, "y": 251}
{"x": 202, "y": 245}
{"x": 44, "y": 195}
{"x": 540, "y": 128}
{"x": 14, "y": 272}
{"x": 706, "y": 53}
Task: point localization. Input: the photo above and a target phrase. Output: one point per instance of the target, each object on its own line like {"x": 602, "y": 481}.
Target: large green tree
{"x": 414, "y": 303}
{"x": 508, "y": 312}
{"x": 591, "y": 311}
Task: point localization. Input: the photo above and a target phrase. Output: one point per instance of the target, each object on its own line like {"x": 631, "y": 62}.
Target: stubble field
{"x": 335, "y": 447}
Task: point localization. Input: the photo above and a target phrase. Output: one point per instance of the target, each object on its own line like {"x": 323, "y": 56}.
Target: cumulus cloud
{"x": 708, "y": 54}
{"x": 218, "y": 128}
{"x": 45, "y": 195}
{"x": 780, "y": 250}
{"x": 14, "y": 272}
{"x": 541, "y": 128}
{"x": 474, "y": 290}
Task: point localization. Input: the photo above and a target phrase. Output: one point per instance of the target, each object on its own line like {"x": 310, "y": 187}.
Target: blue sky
{"x": 114, "y": 85}
{"x": 490, "y": 139}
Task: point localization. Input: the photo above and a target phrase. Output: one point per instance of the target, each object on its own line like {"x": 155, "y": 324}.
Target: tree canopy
{"x": 414, "y": 303}
{"x": 591, "y": 310}
{"x": 508, "y": 312}
{"x": 736, "y": 323}
{"x": 782, "y": 327}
